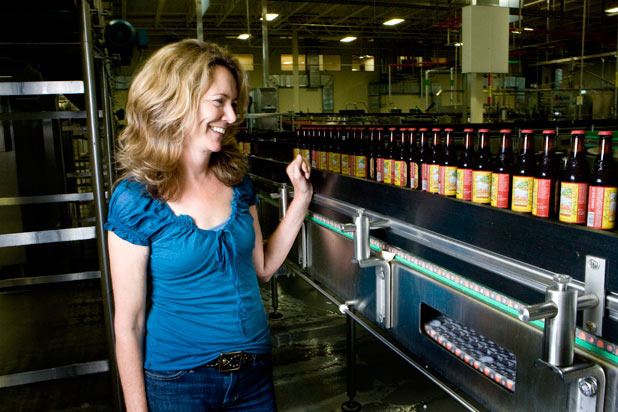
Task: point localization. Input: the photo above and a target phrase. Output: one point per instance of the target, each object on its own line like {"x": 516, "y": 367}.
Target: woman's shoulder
{"x": 246, "y": 191}
{"x": 132, "y": 192}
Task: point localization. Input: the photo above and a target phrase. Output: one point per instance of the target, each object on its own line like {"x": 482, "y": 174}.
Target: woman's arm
{"x": 268, "y": 257}
{"x": 128, "y": 267}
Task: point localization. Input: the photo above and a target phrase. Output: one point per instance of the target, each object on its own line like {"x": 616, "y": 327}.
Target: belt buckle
{"x": 226, "y": 363}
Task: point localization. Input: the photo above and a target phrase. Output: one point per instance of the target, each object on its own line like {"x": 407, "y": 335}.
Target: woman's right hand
{"x": 299, "y": 173}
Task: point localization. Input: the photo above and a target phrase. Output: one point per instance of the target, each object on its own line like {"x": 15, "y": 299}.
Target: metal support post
{"x": 350, "y": 358}
{"x": 283, "y": 197}
{"x": 98, "y": 191}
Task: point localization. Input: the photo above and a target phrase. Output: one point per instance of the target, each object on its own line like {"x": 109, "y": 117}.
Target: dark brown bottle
{"x": 372, "y": 156}
{"x": 315, "y": 148}
{"x": 574, "y": 182}
{"x": 501, "y": 176}
{"x": 412, "y": 157}
{"x": 334, "y": 153}
{"x": 603, "y": 187}
{"x": 297, "y": 145}
{"x": 360, "y": 157}
{"x": 401, "y": 158}
{"x": 346, "y": 163}
{"x": 423, "y": 157}
{"x": 481, "y": 175}
{"x": 465, "y": 167}
{"x": 380, "y": 155}
{"x": 523, "y": 175}
{"x": 448, "y": 167}
{"x": 436, "y": 159}
{"x": 389, "y": 157}
{"x": 544, "y": 192}
{"x": 305, "y": 146}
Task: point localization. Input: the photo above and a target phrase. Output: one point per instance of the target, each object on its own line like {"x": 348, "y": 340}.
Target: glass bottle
{"x": 315, "y": 148}
{"x": 603, "y": 187}
{"x": 296, "y": 150}
{"x": 401, "y": 156}
{"x": 501, "y": 176}
{"x": 305, "y": 147}
{"x": 360, "y": 157}
{"x": 465, "y": 167}
{"x": 481, "y": 175}
{"x": 380, "y": 155}
{"x": 522, "y": 182}
{"x": 546, "y": 185}
{"x": 412, "y": 157}
{"x": 448, "y": 168}
{"x": 372, "y": 156}
{"x": 389, "y": 157}
{"x": 436, "y": 159}
{"x": 423, "y": 158}
{"x": 574, "y": 182}
{"x": 345, "y": 151}
{"x": 323, "y": 157}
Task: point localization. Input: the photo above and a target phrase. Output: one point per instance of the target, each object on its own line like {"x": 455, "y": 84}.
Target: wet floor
{"x": 308, "y": 354}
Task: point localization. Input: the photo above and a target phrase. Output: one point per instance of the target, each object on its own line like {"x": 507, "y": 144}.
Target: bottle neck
{"x": 605, "y": 148}
{"x": 577, "y": 146}
{"x": 548, "y": 145}
{"x": 526, "y": 144}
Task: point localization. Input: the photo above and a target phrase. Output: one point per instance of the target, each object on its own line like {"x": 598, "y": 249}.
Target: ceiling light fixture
{"x": 611, "y": 10}
{"x": 271, "y": 16}
{"x": 458, "y": 44}
{"x": 243, "y": 36}
{"x": 528, "y": 29}
{"x": 516, "y": 32}
{"x": 392, "y": 22}
{"x": 347, "y": 39}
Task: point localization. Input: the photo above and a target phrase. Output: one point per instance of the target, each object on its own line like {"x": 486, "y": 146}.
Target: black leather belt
{"x": 231, "y": 361}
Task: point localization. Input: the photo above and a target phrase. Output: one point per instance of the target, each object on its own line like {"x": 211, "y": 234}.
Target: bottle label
{"x": 241, "y": 147}
{"x": 335, "y": 162}
{"x": 323, "y": 160}
{"x": 522, "y": 194}
{"x": 424, "y": 173}
{"x": 500, "y": 189}
{"x": 448, "y": 180}
{"x": 573, "y": 202}
{"x": 296, "y": 152}
{"x": 345, "y": 166}
{"x": 247, "y": 147}
{"x": 401, "y": 173}
{"x": 601, "y": 207}
{"x": 372, "y": 168}
{"x": 380, "y": 170}
{"x": 481, "y": 186}
{"x": 360, "y": 166}
{"x": 314, "y": 159}
{"x": 306, "y": 155}
{"x": 389, "y": 171}
{"x": 433, "y": 182}
{"x": 464, "y": 184}
{"x": 413, "y": 175}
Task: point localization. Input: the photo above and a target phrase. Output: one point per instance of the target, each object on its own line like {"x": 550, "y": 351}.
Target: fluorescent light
{"x": 348, "y": 39}
{"x": 458, "y": 44}
{"x": 392, "y": 22}
{"x": 271, "y": 16}
{"x": 612, "y": 10}
{"x": 243, "y": 36}
{"x": 528, "y": 29}
{"x": 516, "y": 32}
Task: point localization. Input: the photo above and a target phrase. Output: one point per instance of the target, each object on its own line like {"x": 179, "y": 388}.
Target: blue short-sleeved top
{"x": 205, "y": 295}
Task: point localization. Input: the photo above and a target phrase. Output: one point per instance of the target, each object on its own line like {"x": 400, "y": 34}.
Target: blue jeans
{"x": 208, "y": 390}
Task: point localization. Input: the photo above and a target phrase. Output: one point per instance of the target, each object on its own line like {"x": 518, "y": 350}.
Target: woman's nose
{"x": 229, "y": 113}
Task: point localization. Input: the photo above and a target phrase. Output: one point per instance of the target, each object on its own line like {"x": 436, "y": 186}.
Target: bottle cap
{"x": 468, "y": 130}
{"x": 505, "y": 131}
{"x": 448, "y": 129}
{"x": 606, "y": 133}
{"x": 392, "y": 128}
{"x": 435, "y": 129}
{"x": 483, "y": 130}
{"x": 422, "y": 129}
{"x": 549, "y": 132}
{"x": 527, "y": 131}
{"x": 412, "y": 129}
{"x": 578, "y": 132}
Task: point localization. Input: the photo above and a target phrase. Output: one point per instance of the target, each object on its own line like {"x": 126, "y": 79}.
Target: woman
{"x": 183, "y": 229}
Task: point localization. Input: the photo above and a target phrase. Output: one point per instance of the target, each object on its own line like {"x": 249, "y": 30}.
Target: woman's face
{"x": 216, "y": 111}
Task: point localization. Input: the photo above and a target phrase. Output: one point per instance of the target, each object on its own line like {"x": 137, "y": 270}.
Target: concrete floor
{"x": 308, "y": 354}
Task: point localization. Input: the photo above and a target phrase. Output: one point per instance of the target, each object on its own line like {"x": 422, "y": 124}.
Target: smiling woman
{"x": 183, "y": 224}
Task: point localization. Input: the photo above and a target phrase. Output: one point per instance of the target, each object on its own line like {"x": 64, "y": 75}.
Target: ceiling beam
{"x": 160, "y": 6}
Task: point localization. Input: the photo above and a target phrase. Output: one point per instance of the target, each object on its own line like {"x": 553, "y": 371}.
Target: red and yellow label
{"x": 464, "y": 184}
{"x": 522, "y": 194}
{"x": 314, "y": 159}
{"x": 424, "y": 179}
{"x": 345, "y": 164}
{"x": 335, "y": 162}
{"x": 413, "y": 175}
{"x": 601, "y": 207}
{"x": 448, "y": 180}
{"x": 500, "y": 183}
{"x": 389, "y": 171}
{"x": 360, "y": 166}
{"x": 380, "y": 169}
{"x": 401, "y": 173}
{"x": 247, "y": 147}
{"x": 306, "y": 154}
{"x": 296, "y": 152}
{"x": 433, "y": 178}
{"x": 541, "y": 196}
{"x": 481, "y": 186}
{"x": 573, "y": 202}
{"x": 372, "y": 168}
{"x": 323, "y": 159}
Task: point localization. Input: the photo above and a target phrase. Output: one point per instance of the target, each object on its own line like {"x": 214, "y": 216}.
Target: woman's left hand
{"x": 299, "y": 172}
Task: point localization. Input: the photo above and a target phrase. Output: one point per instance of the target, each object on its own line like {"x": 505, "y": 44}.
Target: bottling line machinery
{"x": 518, "y": 312}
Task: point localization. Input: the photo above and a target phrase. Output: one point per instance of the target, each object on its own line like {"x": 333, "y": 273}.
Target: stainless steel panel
{"x": 61, "y": 372}
{"x": 28, "y": 200}
{"x": 41, "y": 280}
{"x": 38, "y": 88}
{"x": 47, "y": 236}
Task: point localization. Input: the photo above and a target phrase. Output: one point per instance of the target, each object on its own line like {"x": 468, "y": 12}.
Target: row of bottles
{"x": 418, "y": 159}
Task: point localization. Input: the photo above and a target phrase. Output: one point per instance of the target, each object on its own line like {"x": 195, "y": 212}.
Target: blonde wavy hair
{"x": 162, "y": 106}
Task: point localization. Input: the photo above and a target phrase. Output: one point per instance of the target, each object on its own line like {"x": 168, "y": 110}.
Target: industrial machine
{"x": 517, "y": 312}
